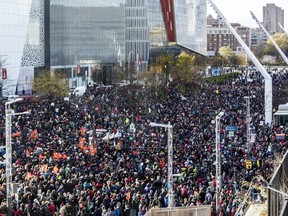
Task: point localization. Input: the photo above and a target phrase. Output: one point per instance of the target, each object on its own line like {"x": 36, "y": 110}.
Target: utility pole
{"x": 169, "y": 127}
{"x": 248, "y": 120}
{"x": 8, "y": 155}
{"x": 218, "y": 160}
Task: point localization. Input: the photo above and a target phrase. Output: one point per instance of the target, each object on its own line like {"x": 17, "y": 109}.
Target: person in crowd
{"x": 67, "y": 164}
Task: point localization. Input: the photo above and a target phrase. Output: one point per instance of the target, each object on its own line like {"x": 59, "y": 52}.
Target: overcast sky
{"x": 239, "y": 10}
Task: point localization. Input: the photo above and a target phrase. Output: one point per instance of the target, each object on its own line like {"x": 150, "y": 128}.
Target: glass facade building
{"x": 119, "y": 31}
{"x": 190, "y": 24}
{"x": 157, "y": 31}
{"x": 64, "y": 34}
{"x": 21, "y": 42}
{"x": 86, "y": 30}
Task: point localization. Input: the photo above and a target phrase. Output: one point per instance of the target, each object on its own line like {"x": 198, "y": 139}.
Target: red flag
{"x": 162, "y": 163}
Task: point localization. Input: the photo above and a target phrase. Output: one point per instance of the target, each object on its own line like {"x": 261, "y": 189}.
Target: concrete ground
{"x": 258, "y": 209}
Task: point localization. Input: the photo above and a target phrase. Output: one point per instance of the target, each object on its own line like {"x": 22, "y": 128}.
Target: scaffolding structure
{"x": 218, "y": 160}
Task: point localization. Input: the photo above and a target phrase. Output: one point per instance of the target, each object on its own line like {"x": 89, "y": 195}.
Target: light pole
{"x": 170, "y": 161}
{"x": 218, "y": 160}
{"x": 166, "y": 75}
{"x": 247, "y": 98}
{"x": 129, "y": 60}
{"x": 9, "y": 112}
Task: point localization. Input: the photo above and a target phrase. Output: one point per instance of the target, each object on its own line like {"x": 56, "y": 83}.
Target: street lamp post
{"x": 166, "y": 75}
{"x": 9, "y": 113}
{"x": 170, "y": 162}
{"x": 248, "y": 144}
{"x": 129, "y": 61}
{"x": 218, "y": 161}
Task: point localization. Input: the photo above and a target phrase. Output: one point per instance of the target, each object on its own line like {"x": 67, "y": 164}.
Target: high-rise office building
{"x": 22, "y": 42}
{"x": 272, "y": 16}
{"x": 85, "y": 34}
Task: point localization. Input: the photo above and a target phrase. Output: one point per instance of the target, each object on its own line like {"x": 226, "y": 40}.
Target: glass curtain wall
{"x": 87, "y": 30}
{"x": 190, "y": 22}
{"x": 21, "y": 41}
{"x": 157, "y": 31}
{"x": 137, "y": 36}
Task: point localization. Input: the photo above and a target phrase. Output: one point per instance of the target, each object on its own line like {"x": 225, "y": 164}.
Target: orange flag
{"x": 60, "y": 156}
{"x": 64, "y": 156}
{"x": 128, "y": 195}
{"x": 34, "y": 135}
{"x": 55, "y": 169}
{"x": 82, "y": 140}
{"x": 55, "y": 155}
{"x": 92, "y": 150}
{"x": 18, "y": 134}
{"x": 84, "y": 148}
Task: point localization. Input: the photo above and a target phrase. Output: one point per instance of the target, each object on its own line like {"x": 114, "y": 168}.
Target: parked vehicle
{"x": 79, "y": 91}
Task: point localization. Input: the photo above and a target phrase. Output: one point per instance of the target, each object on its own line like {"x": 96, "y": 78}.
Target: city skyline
{"x": 244, "y": 7}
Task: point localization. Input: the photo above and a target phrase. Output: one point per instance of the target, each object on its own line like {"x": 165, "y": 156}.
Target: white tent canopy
{"x": 281, "y": 116}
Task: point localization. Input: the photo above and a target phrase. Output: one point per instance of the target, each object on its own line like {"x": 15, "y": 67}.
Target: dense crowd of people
{"x": 82, "y": 156}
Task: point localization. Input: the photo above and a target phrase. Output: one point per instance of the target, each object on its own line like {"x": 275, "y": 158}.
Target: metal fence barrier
{"x": 181, "y": 211}
{"x": 278, "y": 190}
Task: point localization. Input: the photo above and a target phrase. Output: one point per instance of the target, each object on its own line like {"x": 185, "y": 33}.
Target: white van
{"x": 11, "y": 97}
{"x": 79, "y": 91}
